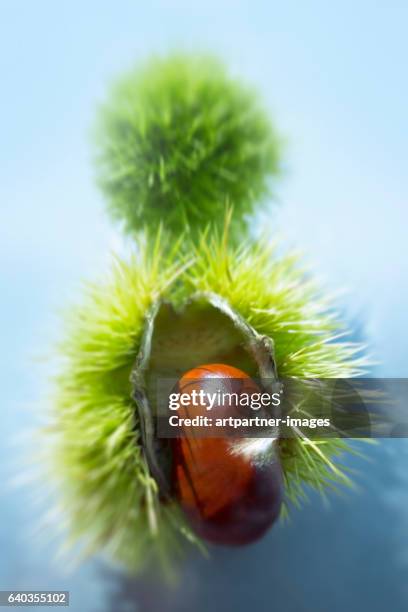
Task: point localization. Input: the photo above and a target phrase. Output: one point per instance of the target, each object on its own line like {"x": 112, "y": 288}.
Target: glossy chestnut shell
{"x": 229, "y": 498}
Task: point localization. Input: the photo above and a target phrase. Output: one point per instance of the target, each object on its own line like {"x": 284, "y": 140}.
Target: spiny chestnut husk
{"x": 252, "y": 310}
{"x": 180, "y": 138}
{"x": 230, "y": 497}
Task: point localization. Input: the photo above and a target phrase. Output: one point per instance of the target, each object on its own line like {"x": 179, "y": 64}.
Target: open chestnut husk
{"x": 229, "y": 495}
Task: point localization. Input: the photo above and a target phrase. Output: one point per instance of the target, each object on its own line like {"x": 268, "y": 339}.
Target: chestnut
{"x": 229, "y": 498}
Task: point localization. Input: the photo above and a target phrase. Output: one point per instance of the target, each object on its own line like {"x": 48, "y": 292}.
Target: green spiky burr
{"x": 178, "y": 141}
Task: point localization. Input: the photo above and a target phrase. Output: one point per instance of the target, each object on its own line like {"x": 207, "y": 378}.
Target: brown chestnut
{"x": 229, "y": 498}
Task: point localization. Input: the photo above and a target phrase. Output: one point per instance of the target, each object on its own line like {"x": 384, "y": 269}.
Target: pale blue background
{"x": 334, "y": 75}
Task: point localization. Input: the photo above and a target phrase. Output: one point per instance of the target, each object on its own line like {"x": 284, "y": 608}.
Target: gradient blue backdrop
{"x": 334, "y": 75}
